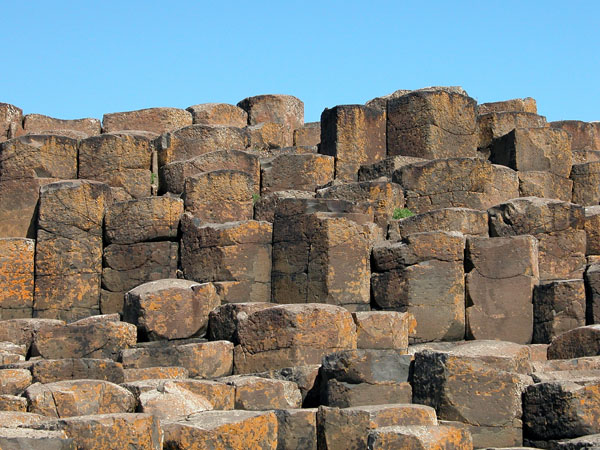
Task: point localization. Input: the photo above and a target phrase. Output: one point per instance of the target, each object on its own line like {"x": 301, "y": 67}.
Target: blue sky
{"x": 83, "y": 59}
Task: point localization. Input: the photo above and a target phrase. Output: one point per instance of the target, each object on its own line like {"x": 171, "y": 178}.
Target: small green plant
{"x": 401, "y": 213}
{"x": 152, "y": 178}
{"x": 255, "y": 198}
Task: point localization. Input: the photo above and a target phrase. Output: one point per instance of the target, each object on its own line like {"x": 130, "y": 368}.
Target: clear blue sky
{"x": 83, "y": 59}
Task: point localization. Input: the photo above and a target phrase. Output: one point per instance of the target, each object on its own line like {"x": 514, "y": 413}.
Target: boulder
{"x": 53, "y": 370}
{"x": 526, "y": 104}
{"x": 224, "y": 320}
{"x": 419, "y": 437}
{"x": 584, "y": 135}
{"x": 576, "y": 343}
{"x": 383, "y": 329}
{"x": 297, "y": 428}
{"x": 258, "y": 394}
{"x": 386, "y": 167}
{"x": 308, "y": 134}
{"x": 156, "y": 120}
{"x": 40, "y": 124}
{"x": 586, "y": 183}
{"x": 170, "y": 401}
{"x": 544, "y": 184}
{"x": 14, "y": 381}
{"x": 493, "y": 125}
{"x": 295, "y": 171}
{"x": 218, "y": 114}
{"x": 25, "y": 438}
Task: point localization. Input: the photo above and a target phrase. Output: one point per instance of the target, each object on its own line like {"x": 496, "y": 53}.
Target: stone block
{"x": 385, "y": 196}
{"x": 78, "y": 398}
{"x": 500, "y": 285}
{"x": 542, "y": 149}
{"x": 305, "y": 377}
{"x": 140, "y": 220}
{"x": 234, "y": 251}
{"x": 584, "y": 135}
{"x": 16, "y": 278}
{"x": 526, "y": 104}
{"x": 544, "y": 185}
{"x": 202, "y": 360}
{"x": 102, "y": 339}
{"x": 355, "y": 135}
{"x": 419, "y": 437}
{"x": 296, "y": 428}
{"x": 119, "y": 160}
{"x": 154, "y": 373}
{"x": 108, "y": 431}
{"x": 455, "y": 182}
{"x": 432, "y": 291}
{"x": 299, "y": 171}
{"x": 592, "y": 286}
{"x": 291, "y": 335}
{"x": 266, "y": 205}
{"x": 367, "y": 366}
{"x": 349, "y": 428}
{"x": 224, "y": 321}
{"x": 312, "y": 263}
{"x": 156, "y": 120}
{"x": 494, "y": 125}
{"x": 173, "y": 175}
{"x": 170, "y": 401}
{"x": 40, "y": 124}
{"x": 591, "y": 225}
{"x": 235, "y": 430}
{"x": 19, "y": 206}
{"x": 11, "y": 121}
{"x": 170, "y": 308}
{"x": 341, "y": 394}
{"x": 242, "y": 291}
{"x": 129, "y": 265}
{"x": 383, "y": 329}
{"x": 40, "y": 156}
{"x": 586, "y": 183}
{"x": 560, "y": 410}
{"x": 14, "y": 381}
{"x": 258, "y": 394}
{"x": 267, "y": 138}
{"x": 282, "y": 109}
{"x": 308, "y": 134}
{"x": 218, "y": 114}
{"x": 13, "y": 403}
{"x": 432, "y": 124}
{"x": 25, "y": 438}
{"x": 219, "y": 196}
{"x": 195, "y": 140}
{"x": 53, "y": 370}
{"x": 558, "y": 306}
{"x": 386, "y": 167}
{"x": 576, "y": 343}
{"x": 562, "y": 254}
{"x": 22, "y": 332}
{"x": 463, "y": 220}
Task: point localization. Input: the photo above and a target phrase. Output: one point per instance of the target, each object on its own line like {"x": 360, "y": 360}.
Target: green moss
{"x": 401, "y": 213}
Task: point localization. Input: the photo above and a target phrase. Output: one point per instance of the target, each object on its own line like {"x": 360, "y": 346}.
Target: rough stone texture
{"x": 545, "y": 185}
{"x": 355, "y": 135}
{"x": 586, "y": 183}
{"x": 349, "y": 428}
{"x": 170, "y": 308}
{"x": 218, "y": 114}
{"x": 341, "y": 394}
{"x": 68, "y": 259}
{"x": 296, "y": 428}
{"x": 591, "y": 226}
{"x": 25, "y": 438}
{"x": 305, "y": 377}
{"x": 235, "y": 251}
{"x": 267, "y": 138}
{"x": 52, "y": 370}
{"x": 455, "y": 182}
{"x": 224, "y": 320}
{"x": 526, "y": 104}
{"x": 140, "y": 220}
{"x": 40, "y": 124}
{"x": 282, "y": 109}
{"x": 155, "y": 373}
{"x": 575, "y": 343}
{"x": 308, "y": 134}
{"x": 416, "y": 277}
{"x": 39, "y": 156}
{"x": 266, "y": 205}
{"x": 156, "y": 120}
{"x": 170, "y": 401}
{"x": 301, "y": 171}
{"x": 558, "y": 306}
{"x": 195, "y": 140}
{"x": 592, "y": 286}
{"x": 367, "y": 366}
{"x": 119, "y": 160}
{"x": 258, "y": 394}
{"x": 102, "y": 339}
{"x": 291, "y": 335}
{"x": 461, "y": 384}
{"x": 584, "y": 135}
{"x": 202, "y": 360}
{"x": 420, "y": 437}
{"x": 11, "y": 120}
{"x": 559, "y": 410}
{"x": 219, "y": 196}
{"x": 78, "y": 398}
{"x": 381, "y": 102}
{"x": 432, "y": 124}
{"x": 546, "y": 149}
{"x": 173, "y": 175}
{"x": 14, "y": 381}
{"x": 383, "y": 329}
{"x": 13, "y": 403}
{"x": 494, "y": 125}
{"x": 386, "y": 197}
{"x": 463, "y": 220}
{"x": 562, "y": 254}
{"x": 109, "y": 431}
{"x": 235, "y": 430}
{"x": 22, "y": 332}
{"x": 16, "y": 278}
{"x": 500, "y": 285}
